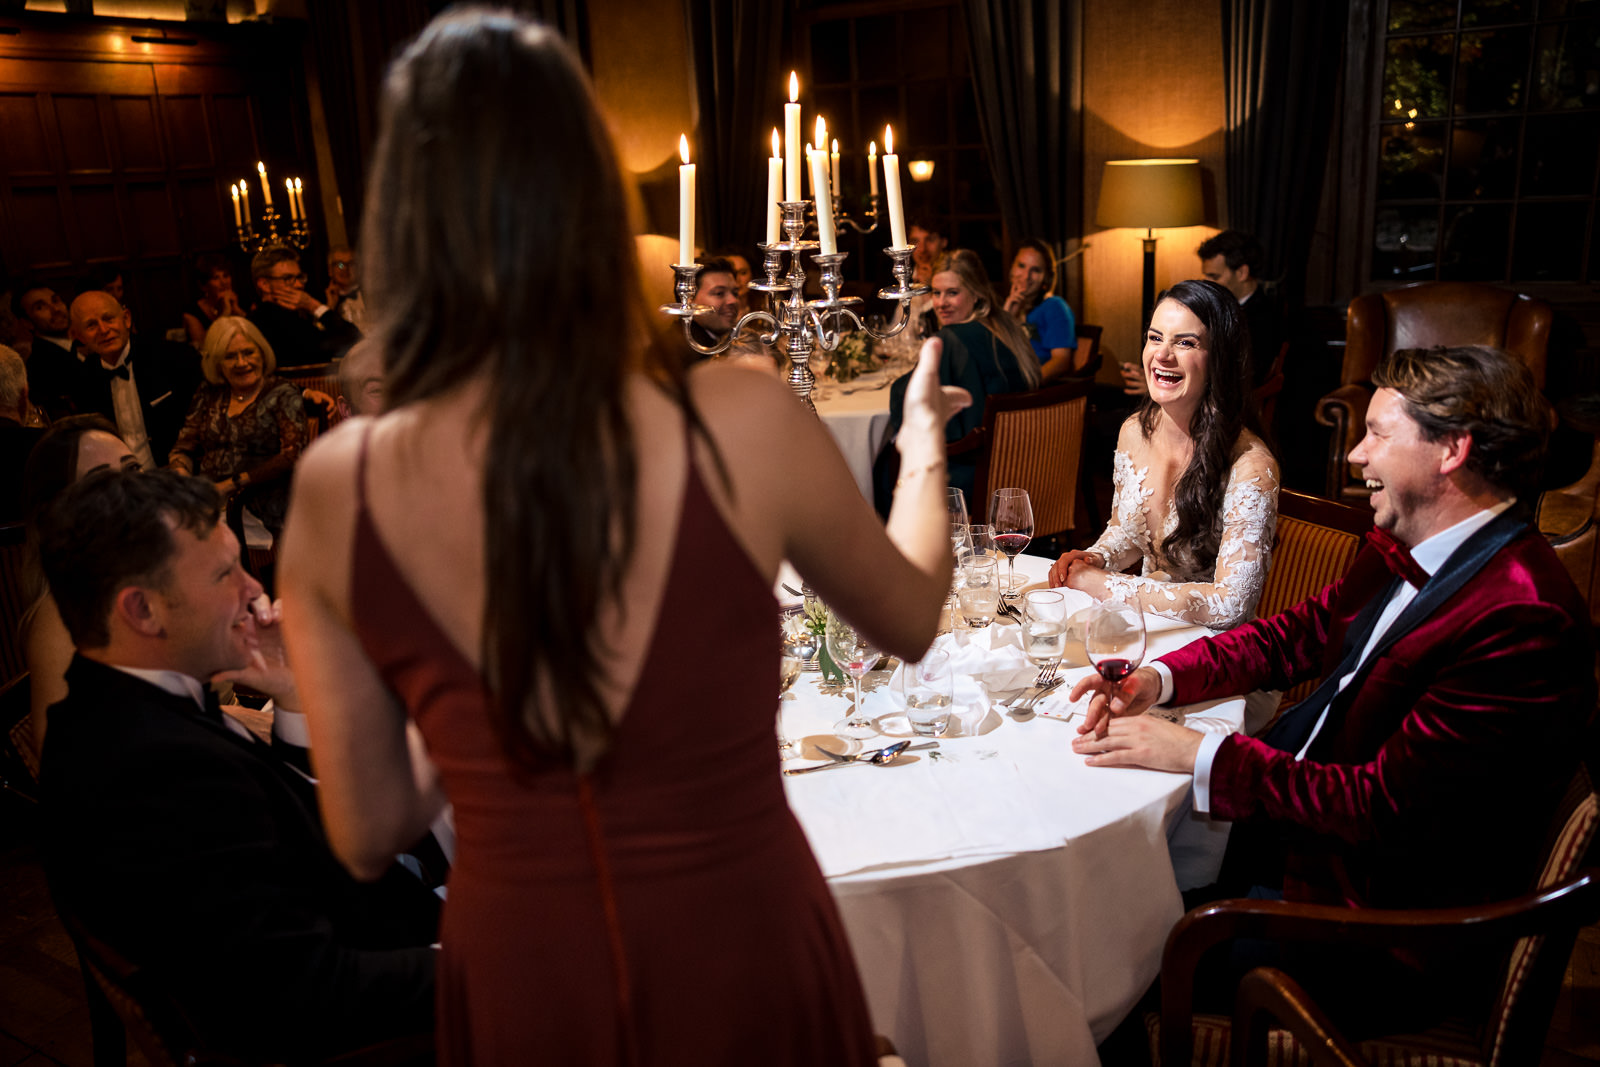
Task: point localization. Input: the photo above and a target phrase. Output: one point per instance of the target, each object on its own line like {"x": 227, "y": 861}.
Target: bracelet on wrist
{"x": 937, "y": 465}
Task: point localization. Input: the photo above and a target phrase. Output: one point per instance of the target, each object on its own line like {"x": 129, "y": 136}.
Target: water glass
{"x": 928, "y": 687}
{"x": 982, "y": 537}
{"x": 980, "y": 590}
{"x": 1044, "y": 626}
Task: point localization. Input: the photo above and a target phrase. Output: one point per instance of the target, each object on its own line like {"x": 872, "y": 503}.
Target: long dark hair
{"x": 1226, "y": 410}
{"x": 503, "y": 250}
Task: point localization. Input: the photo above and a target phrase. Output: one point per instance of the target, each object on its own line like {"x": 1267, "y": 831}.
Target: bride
{"x": 1196, "y": 490}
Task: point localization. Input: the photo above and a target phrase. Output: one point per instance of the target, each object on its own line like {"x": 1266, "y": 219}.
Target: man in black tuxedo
{"x": 52, "y": 364}
{"x": 301, "y": 329}
{"x": 185, "y": 844}
{"x": 1233, "y": 259}
{"x": 143, "y": 385}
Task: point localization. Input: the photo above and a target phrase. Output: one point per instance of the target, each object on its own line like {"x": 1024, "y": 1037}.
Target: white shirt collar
{"x": 1431, "y": 553}
{"x": 175, "y": 682}
{"x": 123, "y": 356}
{"x": 60, "y": 341}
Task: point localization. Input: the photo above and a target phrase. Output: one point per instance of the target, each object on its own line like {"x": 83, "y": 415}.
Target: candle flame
{"x": 872, "y": 149}
{"x": 794, "y": 87}
{"x": 234, "y": 189}
{"x": 297, "y": 186}
{"x": 288, "y": 185}
{"x": 775, "y": 152}
{"x": 888, "y": 140}
{"x": 261, "y": 168}
{"x": 822, "y": 134}
{"x": 683, "y": 147}
{"x": 836, "y": 146}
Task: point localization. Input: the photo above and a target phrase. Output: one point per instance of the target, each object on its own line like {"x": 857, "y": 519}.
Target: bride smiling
{"x": 1196, "y": 489}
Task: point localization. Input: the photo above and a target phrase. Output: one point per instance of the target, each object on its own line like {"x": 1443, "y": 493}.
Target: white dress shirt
{"x": 1430, "y": 555}
{"x": 130, "y": 413}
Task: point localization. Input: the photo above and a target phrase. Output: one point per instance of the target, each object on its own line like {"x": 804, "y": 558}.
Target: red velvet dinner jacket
{"x": 1437, "y": 785}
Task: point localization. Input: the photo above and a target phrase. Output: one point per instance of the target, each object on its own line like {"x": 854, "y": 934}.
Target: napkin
{"x": 985, "y": 663}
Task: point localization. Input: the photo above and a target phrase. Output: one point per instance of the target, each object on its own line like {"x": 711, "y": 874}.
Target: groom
{"x": 1457, "y": 697}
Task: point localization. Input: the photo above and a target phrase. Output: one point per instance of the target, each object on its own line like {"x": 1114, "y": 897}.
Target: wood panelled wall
{"x": 120, "y": 141}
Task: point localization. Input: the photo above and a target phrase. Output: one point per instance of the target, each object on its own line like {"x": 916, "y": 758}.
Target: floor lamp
{"x": 1150, "y": 194}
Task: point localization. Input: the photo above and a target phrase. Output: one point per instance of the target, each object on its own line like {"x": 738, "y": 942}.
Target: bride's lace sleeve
{"x": 1249, "y": 516}
{"x": 1120, "y": 545}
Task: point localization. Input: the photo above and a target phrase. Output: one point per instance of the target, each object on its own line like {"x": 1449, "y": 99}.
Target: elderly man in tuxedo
{"x": 177, "y": 837}
{"x": 144, "y": 385}
{"x": 1457, "y": 666}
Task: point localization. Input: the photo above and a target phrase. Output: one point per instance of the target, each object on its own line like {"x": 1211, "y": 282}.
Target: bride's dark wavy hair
{"x": 501, "y": 249}
{"x": 1226, "y": 409}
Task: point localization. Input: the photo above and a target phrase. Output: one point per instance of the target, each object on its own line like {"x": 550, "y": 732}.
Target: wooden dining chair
{"x": 1532, "y": 934}
{"x": 1315, "y": 543}
{"x": 1090, "y": 336}
{"x": 1031, "y": 441}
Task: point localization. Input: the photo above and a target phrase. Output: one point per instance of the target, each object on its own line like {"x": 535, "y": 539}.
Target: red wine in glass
{"x": 1011, "y": 515}
{"x": 1115, "y": 670}
{"x": 1114, "y": 638}
{"x": 1011, "y": 543}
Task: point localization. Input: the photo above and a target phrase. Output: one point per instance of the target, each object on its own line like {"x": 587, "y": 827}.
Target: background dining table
{"x": 856, "y": 413}
{"x": 1006, "y": 903}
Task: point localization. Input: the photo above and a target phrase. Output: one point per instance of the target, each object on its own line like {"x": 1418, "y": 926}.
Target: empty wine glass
{"x": 819, "y": 361}
{"x": 1044, "y": 626}
{"x": 855, "y": 655}
{"x": 981, "y": 534}
{"x": 789, "y": 667}
{"x": 961, "y": 546}
{"x": 1011, "y": 515}
{"x": 1114, "y": 639}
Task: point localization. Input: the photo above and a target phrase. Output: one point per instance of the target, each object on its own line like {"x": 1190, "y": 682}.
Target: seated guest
{"x": 344, "y": 286}
{"x": 1196, "y": 490}
{"x": 741, "y": 275}
{"x": 216, "y": 298}
{"x": 361, "y": 380}
{"x": 1426, "y": 770}
{"x": 73, "y": 448}
{"x": 716, "y": 289}
{"x": 1233, "y": 260}
{"x": 297, "y": 325}
{"x": 184, "y": 844}
{"x": 929, "y": 237}
{"x": 246, "y": 427}
{"x": 52, "y": 362}
{"x": 985, "y": 352}
{"x": 1047, "y": 318}
{"x": 17, "y": 438}
{"x": 143, "y": 385}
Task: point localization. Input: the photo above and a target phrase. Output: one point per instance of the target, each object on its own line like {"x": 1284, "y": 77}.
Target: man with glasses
{"x": 296, "y": 324}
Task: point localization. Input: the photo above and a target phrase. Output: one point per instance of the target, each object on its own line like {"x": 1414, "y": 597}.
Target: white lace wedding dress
{"x": 1228, "y": 595}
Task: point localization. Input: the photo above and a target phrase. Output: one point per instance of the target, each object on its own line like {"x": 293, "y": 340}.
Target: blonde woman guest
{"x": 246, "y": 427}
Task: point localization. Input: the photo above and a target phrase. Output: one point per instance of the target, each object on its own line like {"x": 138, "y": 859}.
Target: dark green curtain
{"x": 1281, "y": 59}
{"x": 736, "y": 49}
{"x": 1027, "y": 70}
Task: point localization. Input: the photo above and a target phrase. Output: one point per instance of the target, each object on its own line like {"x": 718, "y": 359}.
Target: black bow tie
{"x": 121, "y": 370}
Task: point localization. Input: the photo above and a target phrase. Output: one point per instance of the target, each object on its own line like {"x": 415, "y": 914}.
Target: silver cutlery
{"x": 1028, "y": 704}
{"x": 878, "y": 757}
{"x": 1031, "y": 694}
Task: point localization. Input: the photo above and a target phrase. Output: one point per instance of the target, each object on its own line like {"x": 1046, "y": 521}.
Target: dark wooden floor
{"x": 44, "y": 1020}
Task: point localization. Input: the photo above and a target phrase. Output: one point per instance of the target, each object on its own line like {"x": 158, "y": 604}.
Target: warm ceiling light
{"x": 921, "y": 169}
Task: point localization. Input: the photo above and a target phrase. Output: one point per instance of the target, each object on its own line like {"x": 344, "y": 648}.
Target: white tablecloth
{"x": 1020, "y": 899}
{"x": 857, "y": 420}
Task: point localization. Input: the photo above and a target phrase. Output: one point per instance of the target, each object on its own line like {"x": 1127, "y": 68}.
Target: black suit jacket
{"x": 166, "y": 376}
{"x": 1265, "y": 316}
{"x": 52, "y": 371}
{"x": 300, "y": 340}
{"x": 198, "y": 855}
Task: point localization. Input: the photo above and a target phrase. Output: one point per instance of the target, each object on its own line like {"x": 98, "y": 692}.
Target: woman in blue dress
{"x": 1047, "y": 318}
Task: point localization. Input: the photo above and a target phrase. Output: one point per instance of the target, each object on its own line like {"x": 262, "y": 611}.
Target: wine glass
{"x": 854, "y": 655}
{"x": 819, "y": 361}
{"x": 796, "y": 650}
{"x": 1044, "y": 626}
{"x": 1011, "y": 515}
{"x": 928, "y": 688}
{"x": 961, "y": 546}
{"x": 955, "y": 502}
{"x": 1114, "y": 639}
{"x": 982, "y": 536}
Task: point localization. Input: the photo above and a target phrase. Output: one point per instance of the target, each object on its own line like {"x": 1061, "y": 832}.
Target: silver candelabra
{"x": 801, "y": 323}
{"x": 298, "y": 236}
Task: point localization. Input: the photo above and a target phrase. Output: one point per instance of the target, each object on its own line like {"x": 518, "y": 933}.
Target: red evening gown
{"x": 662, "y": 909}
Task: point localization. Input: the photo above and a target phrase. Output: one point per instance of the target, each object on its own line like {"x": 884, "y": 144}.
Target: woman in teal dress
{"x": 985, "y": 352}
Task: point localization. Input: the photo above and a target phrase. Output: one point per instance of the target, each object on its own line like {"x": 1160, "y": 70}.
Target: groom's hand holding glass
{"x": 1116, "y": 732}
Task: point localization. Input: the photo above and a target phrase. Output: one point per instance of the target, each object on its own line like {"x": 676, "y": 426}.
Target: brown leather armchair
{"x": 1420, "y": 316}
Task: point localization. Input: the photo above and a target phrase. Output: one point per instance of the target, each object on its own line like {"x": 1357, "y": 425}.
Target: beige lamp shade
{"x": 1150, "y": 194}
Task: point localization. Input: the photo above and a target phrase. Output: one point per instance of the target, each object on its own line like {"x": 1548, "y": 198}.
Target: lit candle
{"x": 237, "y": 220}
{"x": 833, "y": 171}
{"x": 819, "y": 185}
{"x": 791, "y": 144}
{"x": 891, "y": 188}
{"x": 300, "y": 198}
{"x": 685, "y": 203}
{"x": 872, "y": 165}
{"x": 288, "y": 192}
{"x": 266, "y": 189}
{"x": 774, "y": 192}
{"x": 244, "y": 197}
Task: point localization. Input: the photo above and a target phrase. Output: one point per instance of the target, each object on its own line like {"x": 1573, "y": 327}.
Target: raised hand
{"x": 928, "y": 403}
{"x": 1132, "y": 696}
